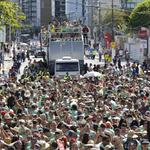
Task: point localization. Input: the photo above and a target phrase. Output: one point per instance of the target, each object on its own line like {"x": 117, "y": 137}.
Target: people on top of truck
{"x": 64, "y": 27}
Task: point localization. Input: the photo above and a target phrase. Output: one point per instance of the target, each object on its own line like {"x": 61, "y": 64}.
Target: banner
{"x": 107, "y": 40}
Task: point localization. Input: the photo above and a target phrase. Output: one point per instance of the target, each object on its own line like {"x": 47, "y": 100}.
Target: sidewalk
{"x": 8, "y": 63}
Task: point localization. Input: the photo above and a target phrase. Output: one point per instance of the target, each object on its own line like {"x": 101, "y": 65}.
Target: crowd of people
{"x": 68, "y": 31}
{"x": 110, "y": 112}
{"x": 18, "y": 57}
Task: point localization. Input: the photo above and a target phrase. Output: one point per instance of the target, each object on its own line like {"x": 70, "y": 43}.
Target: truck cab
{"x": 67, "y": 65}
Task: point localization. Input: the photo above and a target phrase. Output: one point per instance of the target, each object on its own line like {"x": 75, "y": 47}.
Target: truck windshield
{"x": 66, "y": 67}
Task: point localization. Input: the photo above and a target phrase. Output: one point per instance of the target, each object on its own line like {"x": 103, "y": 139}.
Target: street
{"x": 9, "y": 62}
{"x": 74, "y": 74}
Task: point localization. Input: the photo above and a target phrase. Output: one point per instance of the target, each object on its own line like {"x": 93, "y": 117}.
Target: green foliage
{"x": 120, "y": 20}
{"x": 10, "y": 14}
{"x": 140, "y": 16}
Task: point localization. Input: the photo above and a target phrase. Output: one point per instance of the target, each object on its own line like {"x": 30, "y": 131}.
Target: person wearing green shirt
{"x": 94, "y": 54}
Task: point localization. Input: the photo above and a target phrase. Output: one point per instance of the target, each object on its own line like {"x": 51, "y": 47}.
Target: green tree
{"x": 11, "y": 14}
{"x": 140, "y": 16}
{"x": 120, "y": 20}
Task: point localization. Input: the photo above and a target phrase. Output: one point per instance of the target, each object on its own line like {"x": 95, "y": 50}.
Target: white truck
{"x": 67, "y": 65}
{"x": 66, "y": 52}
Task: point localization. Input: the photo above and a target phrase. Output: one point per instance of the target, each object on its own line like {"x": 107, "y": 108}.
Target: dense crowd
{"x": 18, "y": 56}
{"x": 111, "y": 112}
{"x": 68, "y": 31}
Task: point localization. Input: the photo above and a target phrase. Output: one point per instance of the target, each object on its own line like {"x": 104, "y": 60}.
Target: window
{"x": 66, "y": 67}
{"x": 57, "y": 3}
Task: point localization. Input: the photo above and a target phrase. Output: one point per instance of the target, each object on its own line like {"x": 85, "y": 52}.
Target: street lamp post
{"x": 112, "y": 20}
{"x": 92, "y": 36}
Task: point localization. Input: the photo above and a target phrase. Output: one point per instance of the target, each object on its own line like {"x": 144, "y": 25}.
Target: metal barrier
{"x": 67, "y": 30}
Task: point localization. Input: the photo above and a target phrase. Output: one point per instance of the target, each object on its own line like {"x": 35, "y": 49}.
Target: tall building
{"x": 75, "y": 10}
{"x": 46, "y": 12}
{"x": 129, "y": 4}
{"x": 91, "y": 6}
{"x": 38, "y": 12}
{"x": 59, "y": 9}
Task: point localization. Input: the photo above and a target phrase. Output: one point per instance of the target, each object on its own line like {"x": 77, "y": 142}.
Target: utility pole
{"x": 76, "y": 13}
{"x": 99, "y": 24}
{"x": 112, "y": 20}
{"x": 126, "y": 4}
{"x": 92, "y": 36}
{"x": 83, "y": 11}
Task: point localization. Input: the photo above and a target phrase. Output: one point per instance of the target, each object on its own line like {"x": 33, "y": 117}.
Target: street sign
{"x": 113, "y": 45}
{"x": 143, "y": 33}
{"x": 143, "y": 43}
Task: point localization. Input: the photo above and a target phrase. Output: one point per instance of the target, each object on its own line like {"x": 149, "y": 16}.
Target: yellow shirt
{"x": 52, "y": 29}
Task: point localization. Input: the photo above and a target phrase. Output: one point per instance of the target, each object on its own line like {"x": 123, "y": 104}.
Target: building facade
{"x": 38, "y": 12}
{"x": 59, "y": 9}
{"x": 46, "y": 12}
{"x": 75, "y": 10}
{"x": 108, "y": 3}
{"x": 129, "y": 4}
{"x": 92, "y": 7}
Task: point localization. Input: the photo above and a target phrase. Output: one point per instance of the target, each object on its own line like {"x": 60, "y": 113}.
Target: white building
{"x": 137, "y": 49}
{"x": 38, "y": 12}
{"x": 75, "y": 10}
{"x": 129, "y": 4}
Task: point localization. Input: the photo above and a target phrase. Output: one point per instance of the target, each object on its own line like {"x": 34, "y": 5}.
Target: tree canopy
{"x": 120, "y": 23}
{"x": 11, "y": 14}
{"x": 140, "y": 16}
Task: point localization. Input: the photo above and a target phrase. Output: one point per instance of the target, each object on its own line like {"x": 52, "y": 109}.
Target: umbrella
{"x": 93, "y": 74}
